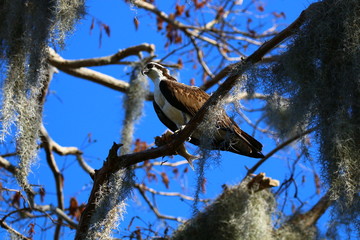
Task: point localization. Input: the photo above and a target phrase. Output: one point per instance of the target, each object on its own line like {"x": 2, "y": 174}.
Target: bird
{"x": 176, "y": 103}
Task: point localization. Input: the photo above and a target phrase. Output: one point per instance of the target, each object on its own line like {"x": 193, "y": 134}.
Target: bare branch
{"x": 59, "y": 179}
{"x": 281, "y": 146}
{"x": 7, "y": 165}
{"x": 63, "y": 151}
{"x": 177, "y": 24}
{"x": 169, "y": 164}
{"x": 84, "y": 165}
{"x": 155, "y": 210}
{"x": 200, "y": 58}
{"x": 119, "y": 85}
{"x": 4, "y": 225}
{"x": 100, "y": 61}
{"x": 170, "y": 194}
{"x": 59, "y": 212}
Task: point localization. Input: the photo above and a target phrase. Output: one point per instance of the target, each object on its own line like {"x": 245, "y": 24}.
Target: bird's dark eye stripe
{"x": 150, "y": 65}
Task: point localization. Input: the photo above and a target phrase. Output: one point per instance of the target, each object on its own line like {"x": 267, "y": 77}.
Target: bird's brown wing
{"x": 255, "y": 145}
{"x": 186, "y": 98}
{"x": 190, "y": 99}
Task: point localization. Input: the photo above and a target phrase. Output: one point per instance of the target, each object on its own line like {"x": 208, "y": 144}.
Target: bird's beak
{"x": 145, "y": 71}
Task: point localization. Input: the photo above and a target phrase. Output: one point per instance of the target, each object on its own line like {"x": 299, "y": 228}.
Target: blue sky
{"x": 77, "y": 108}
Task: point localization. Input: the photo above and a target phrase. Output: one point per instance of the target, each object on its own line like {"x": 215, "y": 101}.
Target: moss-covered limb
{"x": 238, "y": 213}
{"x": 243, "y": 213}
{"x": 303, "y": 225}
{"x": 112, "y": 165}
{"x": 319, "y": 73}
{"x": 100, "y": 177}
{"x": 95, "y": 211}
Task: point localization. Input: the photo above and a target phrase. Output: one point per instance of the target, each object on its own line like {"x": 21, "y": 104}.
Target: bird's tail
{"x": 249, "y": 146}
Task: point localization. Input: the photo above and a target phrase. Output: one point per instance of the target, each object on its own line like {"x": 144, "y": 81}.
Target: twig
{"x": 281, "y": 146}
{"x": 155, "y": 210}
{"x": 169, "y": 164}
{"x": 222, "y": 74}
{"x": 170, "y": 194}
{"x": 309, "y": 218}
{"x": 200, "y": 58}
{"x": 4, "y": 225}
{"x": 63, "y": 151}
{"x": 59, "y": 212}
{"x": 84, "y": 165}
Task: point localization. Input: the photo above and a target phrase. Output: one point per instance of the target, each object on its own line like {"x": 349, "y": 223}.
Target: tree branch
{"x": 170, "y": 194}
{"x": 305, "y": 220}
{"x": 59, "y": 212}
{"x": 155, "y": 210}
{"x": 4, "y": 225}
{"x": 108, "y": 81}
{"x": 59, "y": 179}
{"x": 100, "y": 61}
{"x": 7, "y": 165}
{"x": 281, "y": 146}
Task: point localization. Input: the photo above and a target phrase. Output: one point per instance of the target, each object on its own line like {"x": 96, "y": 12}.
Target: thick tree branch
{"x": 119, "y": 85}
{"x": 308, "y": 219}
{"x": 100, "y": 61}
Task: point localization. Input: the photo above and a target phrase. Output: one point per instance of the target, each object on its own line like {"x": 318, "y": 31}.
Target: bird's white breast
{"x": 178, "y": 117}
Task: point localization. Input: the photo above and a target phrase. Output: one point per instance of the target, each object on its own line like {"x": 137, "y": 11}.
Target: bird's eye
{"x": 150, "y": 65}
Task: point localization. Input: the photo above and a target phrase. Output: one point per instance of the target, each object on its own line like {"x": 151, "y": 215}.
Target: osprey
{"x": 176, "y": 103}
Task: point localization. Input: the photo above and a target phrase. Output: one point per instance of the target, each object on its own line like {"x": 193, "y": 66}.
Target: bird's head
{"x": 156, "y": 71}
